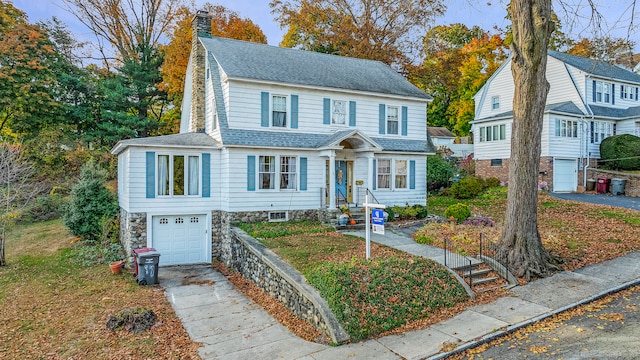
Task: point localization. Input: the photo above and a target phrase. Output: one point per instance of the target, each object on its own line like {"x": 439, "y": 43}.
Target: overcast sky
{"x": 487, "y": 14}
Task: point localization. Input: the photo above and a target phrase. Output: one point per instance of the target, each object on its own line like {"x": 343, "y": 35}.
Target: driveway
{"x": 601, "y": 199}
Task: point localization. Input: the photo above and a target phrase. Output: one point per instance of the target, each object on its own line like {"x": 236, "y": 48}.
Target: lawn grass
{"x": 578, "y": 233}
{"x": 369, "y": 297}
{"x": 54, "y": 308}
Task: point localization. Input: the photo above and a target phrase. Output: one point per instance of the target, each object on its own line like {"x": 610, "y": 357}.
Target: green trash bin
{"x": 148, "y": 268}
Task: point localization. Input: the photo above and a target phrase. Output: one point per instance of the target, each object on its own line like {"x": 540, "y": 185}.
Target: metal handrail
{"x": 457, "y": 261}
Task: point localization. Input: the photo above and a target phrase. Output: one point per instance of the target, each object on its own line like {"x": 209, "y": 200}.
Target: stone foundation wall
{"x": 631, "y": 187}
{"x": 281, "y": 281}
{"x": 133, "y": 232}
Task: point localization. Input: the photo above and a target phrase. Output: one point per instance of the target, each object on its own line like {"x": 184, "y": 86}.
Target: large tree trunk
{"x": 520, "y": 247}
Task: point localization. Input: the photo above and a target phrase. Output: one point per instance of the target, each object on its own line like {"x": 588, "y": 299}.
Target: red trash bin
{"x": 603, "y": 184}
{"x": 136, "y": 252}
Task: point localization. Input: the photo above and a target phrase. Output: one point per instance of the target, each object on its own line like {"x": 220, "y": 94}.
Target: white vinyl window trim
{"x": 178, "y": 175}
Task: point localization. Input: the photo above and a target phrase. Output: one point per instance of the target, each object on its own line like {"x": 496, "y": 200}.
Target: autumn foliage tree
{"x": 458, "y": 61}
{"x": 225, "y": 23}
{"x": 387, "y": 31}
{"x": 27, "y": 80}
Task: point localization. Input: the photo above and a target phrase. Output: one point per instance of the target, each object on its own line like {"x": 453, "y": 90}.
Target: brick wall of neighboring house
{"x": 484, "y": 169}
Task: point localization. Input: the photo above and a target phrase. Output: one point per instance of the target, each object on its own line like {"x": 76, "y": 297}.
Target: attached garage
{"x": 565, "y": 175}
{"x": 181, "y": 239}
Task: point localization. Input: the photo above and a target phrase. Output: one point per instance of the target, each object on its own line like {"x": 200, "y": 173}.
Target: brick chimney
{"x": 201, "y": 27}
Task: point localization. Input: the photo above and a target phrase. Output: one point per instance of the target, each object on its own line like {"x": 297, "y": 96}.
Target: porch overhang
{"x": 351, "y": 139}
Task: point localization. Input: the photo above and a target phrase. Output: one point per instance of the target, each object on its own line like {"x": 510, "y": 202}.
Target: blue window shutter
{"x": 375, "y": 173}
{"x": 636, "y": 93}
{"x": 264, "y": 109}
{"x": 352, "y": 113}
{"x": 294, "y": 111}
{"x": 326, "y": 111}
{"x": 151, "y": 174}
{"x": 251, "y": 173}
{"x": 405, "y": 120}
{"x": 613, "y": 94}
{"x": 303, "y": 173}
{"x": 621, "y": 90}
{"x": 594, "y": 91}
{"x": 382, "y": 119}
{"x": 412, "y": 174}
{"x": 206, "y": 175}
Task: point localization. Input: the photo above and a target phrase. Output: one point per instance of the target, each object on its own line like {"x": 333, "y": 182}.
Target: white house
{"x": 588, "y": 101}
{"x": 270, "y": 133}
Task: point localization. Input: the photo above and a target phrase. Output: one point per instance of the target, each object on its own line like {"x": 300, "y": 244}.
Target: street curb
{"x": 512, "y": 328}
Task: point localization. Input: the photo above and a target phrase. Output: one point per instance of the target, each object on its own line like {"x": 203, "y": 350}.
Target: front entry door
{"x": 344, "y": 170}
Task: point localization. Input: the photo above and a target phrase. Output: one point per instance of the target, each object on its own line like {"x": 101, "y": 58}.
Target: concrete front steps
{"x": 480, "y": 277}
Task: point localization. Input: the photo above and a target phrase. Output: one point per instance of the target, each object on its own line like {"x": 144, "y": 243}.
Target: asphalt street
{"x": 602, "y": 331}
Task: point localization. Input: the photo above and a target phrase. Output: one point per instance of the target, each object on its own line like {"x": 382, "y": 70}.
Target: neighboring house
{"x": 588, "y": 101}
{"x": 270, "y": 133}
{"x": 444, "y": 140}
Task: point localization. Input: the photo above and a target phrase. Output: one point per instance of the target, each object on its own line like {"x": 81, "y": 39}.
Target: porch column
{"x": 370, "y": 171}
{"x": 332, "y": 180}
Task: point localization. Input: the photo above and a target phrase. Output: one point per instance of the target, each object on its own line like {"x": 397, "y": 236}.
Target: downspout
{"x": 587, "y": 132}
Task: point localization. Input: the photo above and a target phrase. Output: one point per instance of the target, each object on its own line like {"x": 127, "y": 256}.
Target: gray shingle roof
{"x": 604, "y": 111}
{"x": 393, "y": 144}
{"x": 192, "y": 139}
{"x": 596, "y": 67}
{"x": 567, "y": 107}
{"x": 314, "y": 141}
{"x": 241, "y": 59}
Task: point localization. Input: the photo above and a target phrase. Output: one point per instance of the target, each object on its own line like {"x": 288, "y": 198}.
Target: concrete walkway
{"x": 231, "y": 326}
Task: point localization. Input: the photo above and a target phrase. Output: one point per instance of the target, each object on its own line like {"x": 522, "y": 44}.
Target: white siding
{"x": 402, "y": 197}
{"x": 563, "y": 87}
{"x": 123, "y": 179}
{"x": 564, "y": 146}
{"x": 245, "y": 111}
{"x": 241, "y": 199}
{"x": 138, "y": 202}
{"x": 498, "y": 149}
{"x": 502, "y": 86}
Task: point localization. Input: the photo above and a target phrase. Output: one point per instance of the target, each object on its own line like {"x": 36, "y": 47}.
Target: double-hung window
{"x": 493, "y": 133}
{"x": 339, "y": 114}
{"x": 598, "y": 91}
{"x": 267, "y": 172}
{"x": 567, "y": 128}
{"x": 279, "y": 111}
{"x": 178, "y": 175}
{"x": 288, "y": 173}
{"x": 384, "y": 174}
{"x": 495, "y": 102}
{"x": 392, "y": 120}
{"x": 401, "y": 174}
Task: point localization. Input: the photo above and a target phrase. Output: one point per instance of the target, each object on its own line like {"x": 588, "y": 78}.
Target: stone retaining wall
{"x": 281, "y": 281}
{"x": 631, "y": 187}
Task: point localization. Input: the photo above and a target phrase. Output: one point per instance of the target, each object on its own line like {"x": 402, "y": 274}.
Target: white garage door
{"x": 565, "y": 175}
{"x": 180, "y": 239}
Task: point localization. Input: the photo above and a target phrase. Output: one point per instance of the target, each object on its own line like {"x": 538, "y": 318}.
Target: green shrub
{"x": 621, "y": 152}
{"x": 391, "y": 213}
{"x": 425, "y": 239}
{"x": 91, "y": 205}
{"x": 44, "y": 208}
{"x": 439, "y": 172}
{"x": 467, "y": 188}
{"x": 492, "y": 182}
{"x": 460, "y": 212}
{"x": 373, "y": 296}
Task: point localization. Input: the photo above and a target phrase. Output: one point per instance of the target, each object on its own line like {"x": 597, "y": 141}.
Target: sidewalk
{"x": 231, "y": 326}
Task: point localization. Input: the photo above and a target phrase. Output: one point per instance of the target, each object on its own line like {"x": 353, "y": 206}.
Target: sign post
{"x": 377, "y": 218}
